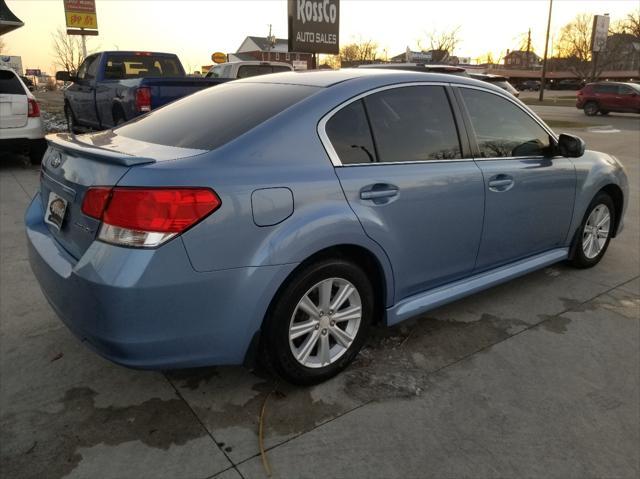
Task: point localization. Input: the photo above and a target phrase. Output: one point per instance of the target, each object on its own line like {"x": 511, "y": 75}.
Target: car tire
{"x": 71, "y": 119}
{"x": 303, "y": 343}
{"x": 594, "y": 234}
{"x": 591, "y": 108}
{"x": 36, "y": 151}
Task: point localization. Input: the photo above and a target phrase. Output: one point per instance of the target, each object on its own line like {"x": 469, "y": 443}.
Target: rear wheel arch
{"x": 361, "y": 257}
{"x": 117, "y": 113}
{"x": 356, "y": 254}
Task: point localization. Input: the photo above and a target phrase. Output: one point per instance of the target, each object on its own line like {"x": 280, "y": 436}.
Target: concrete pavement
{"x": 538, "y": 377}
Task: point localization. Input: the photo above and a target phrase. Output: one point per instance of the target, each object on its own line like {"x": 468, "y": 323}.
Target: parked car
{"x": 28, "y": 83}
{"x": 244, "y": 69}
{"x": 497, "y": 80}
{"x": 419, "y": 67}
{"x": 21, "y": 128}
{"x": 568, "y": 84}
{"x": 284, "y": 214}
{"x": 605, "y": 97}
{"x": 529, "y": 85}
{"x": 111, "y": 88}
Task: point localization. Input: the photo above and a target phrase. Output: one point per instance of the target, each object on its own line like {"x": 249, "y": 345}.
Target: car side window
{"x": 246, "y": 71}
{"x": 502, "y": 129}
{"x": 413, "y": 124}
{"x": 611, "y": 89}
{"x": 92, "y": 68}
{"x": 348, "y": 130}
{"x": 82, "y": 71}
{"x": 625, "y": 90}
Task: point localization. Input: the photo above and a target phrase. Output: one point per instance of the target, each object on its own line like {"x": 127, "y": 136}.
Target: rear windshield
{"x": 121, "y": 67}
{"x": 9, "y": 83}
{"x": 212, "y": 117}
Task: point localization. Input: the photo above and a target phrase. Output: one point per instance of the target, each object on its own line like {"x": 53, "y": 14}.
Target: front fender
{"x": 595, "y": 171}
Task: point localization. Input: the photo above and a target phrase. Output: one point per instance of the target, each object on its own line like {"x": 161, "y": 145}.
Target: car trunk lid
{"x": 74, "y": 164}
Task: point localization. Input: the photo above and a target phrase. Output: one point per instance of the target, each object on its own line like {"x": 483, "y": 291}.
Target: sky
{"x": 195, "y": 29}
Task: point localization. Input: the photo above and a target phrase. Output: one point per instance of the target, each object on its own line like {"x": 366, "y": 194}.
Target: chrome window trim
{"x": 331, "y": 152}
{"x": 522, "y": 107}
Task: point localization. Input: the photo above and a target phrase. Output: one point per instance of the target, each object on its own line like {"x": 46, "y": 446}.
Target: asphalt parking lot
{"x": 539, "y": 377}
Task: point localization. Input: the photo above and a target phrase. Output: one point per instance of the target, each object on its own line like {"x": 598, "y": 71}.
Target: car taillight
{"x": 147, "y": 217}
{"x": 34, "y": 109}
{"x": 143, "y": 99}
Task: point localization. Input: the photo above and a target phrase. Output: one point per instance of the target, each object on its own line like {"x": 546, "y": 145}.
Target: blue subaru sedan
{"x": 279, "y": 217}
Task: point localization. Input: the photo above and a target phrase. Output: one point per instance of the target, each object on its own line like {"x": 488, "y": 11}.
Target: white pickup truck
{"x": 246, "y": 69}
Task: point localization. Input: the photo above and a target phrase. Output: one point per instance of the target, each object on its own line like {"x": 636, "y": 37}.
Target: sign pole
{"x": 84, "y": 44}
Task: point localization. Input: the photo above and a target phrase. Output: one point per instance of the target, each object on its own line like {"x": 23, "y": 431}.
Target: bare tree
{"x": 446, "y": 40}
{"x": 67, "y": 50}
{"x": 574, "y": 46}
{"x": 629, "y": 25}
{"x": 360, "y": 51}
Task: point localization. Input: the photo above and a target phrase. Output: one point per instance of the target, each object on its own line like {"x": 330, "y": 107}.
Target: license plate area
{"x": 56, "y": 209}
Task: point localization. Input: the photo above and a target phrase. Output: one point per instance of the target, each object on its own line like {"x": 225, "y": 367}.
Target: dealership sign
{"x": 314, "y": 26}
{"x": 599, "y": 33}
{"x": 81, "y": 14}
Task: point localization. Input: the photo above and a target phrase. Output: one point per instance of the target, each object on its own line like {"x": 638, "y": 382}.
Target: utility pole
{"x": 543, "y": 78}
{"x": 271, "y": 42}
{"x": 84, "y": 45}
{"x": 528, "y": 61}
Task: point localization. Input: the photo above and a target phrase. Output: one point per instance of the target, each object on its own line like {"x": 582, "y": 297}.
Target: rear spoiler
{"x": 73, "y": 145}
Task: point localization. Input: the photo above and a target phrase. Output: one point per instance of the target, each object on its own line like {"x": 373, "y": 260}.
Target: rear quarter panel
{"x": 283, "y": 152}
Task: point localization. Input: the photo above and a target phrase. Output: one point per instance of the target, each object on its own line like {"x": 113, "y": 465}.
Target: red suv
{"x": 604, "y": 97}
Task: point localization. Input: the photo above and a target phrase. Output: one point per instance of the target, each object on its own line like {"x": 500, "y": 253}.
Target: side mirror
{"x": 64, "y": 76}
{"x": 571, "y": 146}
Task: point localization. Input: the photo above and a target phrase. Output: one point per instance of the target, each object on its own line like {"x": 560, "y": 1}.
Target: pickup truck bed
{"x": 114, "y": 87}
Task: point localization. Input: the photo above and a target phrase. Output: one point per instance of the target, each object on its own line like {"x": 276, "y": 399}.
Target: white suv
{"x": 21, "y": 128}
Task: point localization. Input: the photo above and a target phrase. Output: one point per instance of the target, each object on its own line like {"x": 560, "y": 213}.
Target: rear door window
{"x": 350, "y": 135}
{"x": 214, "y": 116}
{"x": 9, "y": 84}
{"x": 501, "y": 128}
{"x": 413, "y": 124}
{"x": 610, "y": 89}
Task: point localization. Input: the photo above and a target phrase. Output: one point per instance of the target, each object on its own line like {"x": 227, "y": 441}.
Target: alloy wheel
{"x": 325, "y": 322}
{"x": 596, "y": 231}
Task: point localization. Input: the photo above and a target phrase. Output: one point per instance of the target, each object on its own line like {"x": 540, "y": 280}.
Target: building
{"x": 260, "y": 48}
{"x": 622, "y": 52}
{"x": 522, "y": 59}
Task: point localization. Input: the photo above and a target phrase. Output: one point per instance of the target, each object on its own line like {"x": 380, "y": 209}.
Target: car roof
{"x": 254, "y": 62}
{"x": 327, "y": 78}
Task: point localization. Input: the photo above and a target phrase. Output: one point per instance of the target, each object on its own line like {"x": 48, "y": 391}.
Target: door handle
{"x": 501, "y": 183}
{"x": 379, "y": 193}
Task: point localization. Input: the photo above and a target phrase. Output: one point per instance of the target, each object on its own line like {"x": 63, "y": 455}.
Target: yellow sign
{"x": 219, "y": 57}
{"x": 82, "y": 20}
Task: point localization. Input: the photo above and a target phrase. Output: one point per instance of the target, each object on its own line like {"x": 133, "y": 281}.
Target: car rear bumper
{"x": 33, "y": 130}
{"x": 22, "y": 144}
{"x": 148, "y": 308}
